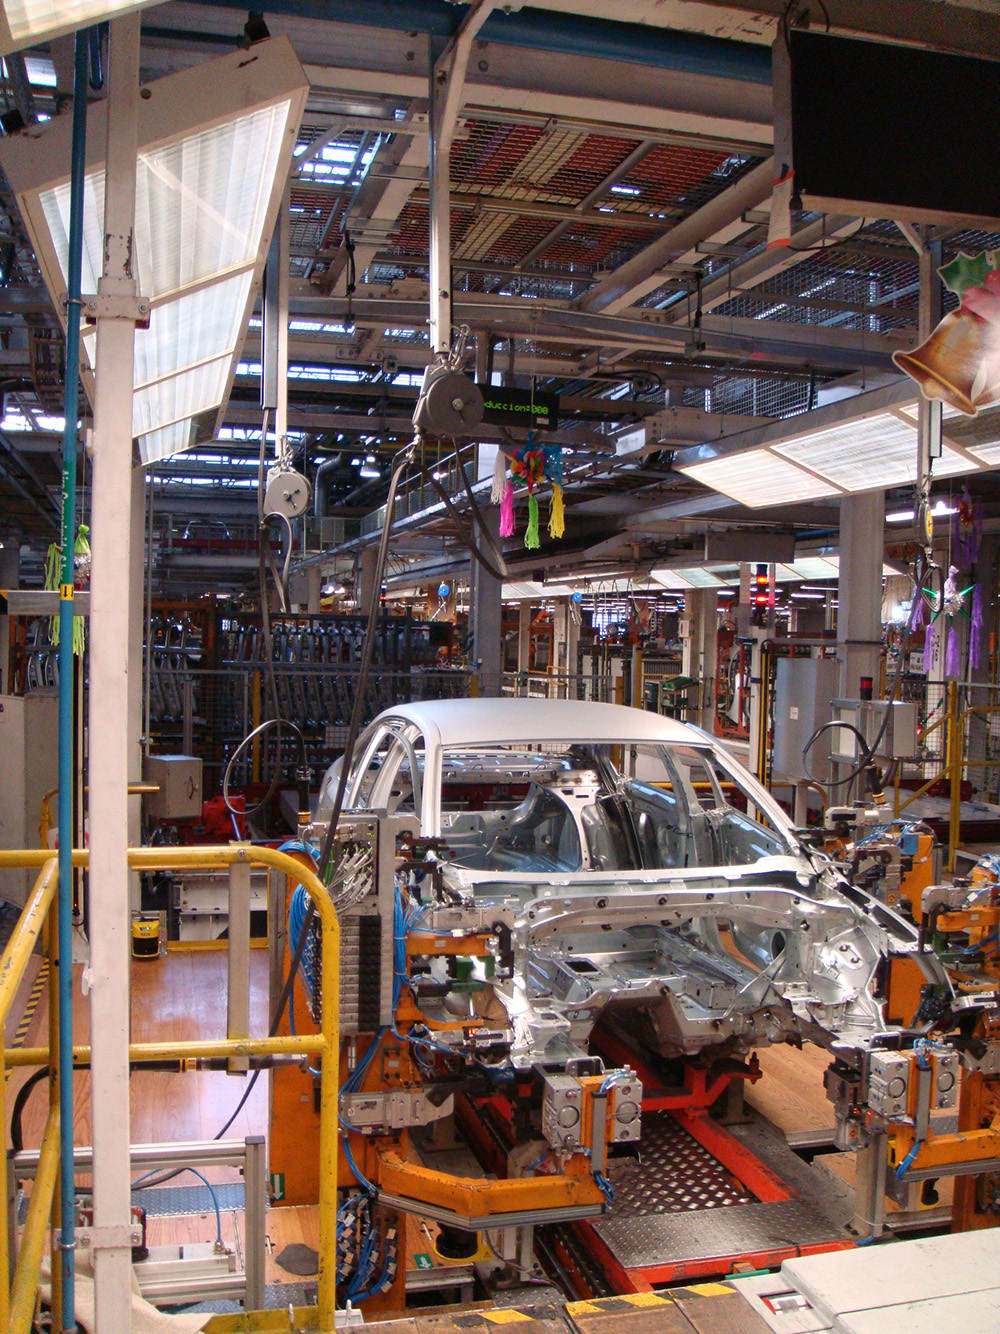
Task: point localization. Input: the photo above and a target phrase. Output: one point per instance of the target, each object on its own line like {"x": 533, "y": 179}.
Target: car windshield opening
{"x": 565, "y": 807}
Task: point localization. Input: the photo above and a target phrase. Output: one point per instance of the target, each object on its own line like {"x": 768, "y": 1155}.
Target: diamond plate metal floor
{"x": 643, "y": 1241}
{"x": 167, "y": 1201}
{"x": 675, "y": 1175}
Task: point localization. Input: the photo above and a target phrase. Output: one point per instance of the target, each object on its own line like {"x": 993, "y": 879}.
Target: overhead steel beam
{"x": 550, "y": 33}
{"x": 642, "y": 274}
{"x": 648, "y": 330}
{"x": 447, "y": 87}
{"x": 765, "y": 264}
{"x": 378, "y": 202}
{"x": 570, "y": 214}
{"x": 953, "y": 26}
{"x": 706, "y": 113}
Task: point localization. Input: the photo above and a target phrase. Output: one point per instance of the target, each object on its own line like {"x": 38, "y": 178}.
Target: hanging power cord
{"x": 276, "y": 721}
{"x": 868, "y": 749}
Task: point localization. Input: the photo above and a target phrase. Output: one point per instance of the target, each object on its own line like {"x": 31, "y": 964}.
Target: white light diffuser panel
{"x": 215, "y": 145}
{"x": 989, "y": 453}
{"x": 759, "y": 479}
{"x": 25, "y": 22}
{"x": 671, "y": 579}
{"x": 869, "y": 453}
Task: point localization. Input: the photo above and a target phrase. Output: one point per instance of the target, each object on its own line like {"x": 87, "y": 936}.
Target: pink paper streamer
{"x": 507, "y": 511}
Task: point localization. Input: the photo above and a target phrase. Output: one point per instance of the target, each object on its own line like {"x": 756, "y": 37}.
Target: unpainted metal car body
{"x": 649, "y": 879}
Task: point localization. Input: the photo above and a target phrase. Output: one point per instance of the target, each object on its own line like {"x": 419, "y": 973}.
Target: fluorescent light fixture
{"x": 869, "y": 454}
{"x": 26, "y": 22}
{"x": 942, "y": 510}
{"x": 758, "y": 480}
{"x": 215, "y": 143}
{"x": 864, "y": 443}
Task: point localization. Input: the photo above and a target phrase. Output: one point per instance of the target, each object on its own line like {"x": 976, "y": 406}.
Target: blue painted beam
{"x": 546, "y": 30}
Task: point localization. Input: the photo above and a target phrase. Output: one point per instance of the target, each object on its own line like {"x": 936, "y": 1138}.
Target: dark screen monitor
{"x": 889, "y": 131}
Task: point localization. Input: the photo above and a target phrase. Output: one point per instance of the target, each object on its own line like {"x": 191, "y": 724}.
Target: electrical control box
{"x": 178, "y": 778}
{"x": 803, "y": 693}
{"x": 898, "y": 740}
{"x": 29, "y": 743}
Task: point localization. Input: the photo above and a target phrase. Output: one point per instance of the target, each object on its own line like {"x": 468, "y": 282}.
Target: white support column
{"x": 137, "y": 625}
{"x": 565, "y": 639}
{"x": 700, "y": 658}
{"x": 859, "y": 592}
{"x": 10, "y": 577}
{"x": 366, "y": 591}
{"x": 523, "y": 636}
{"x": 284, "y": 250}
{"x": 110, "y": 692}
{"x": 315, "y": 575}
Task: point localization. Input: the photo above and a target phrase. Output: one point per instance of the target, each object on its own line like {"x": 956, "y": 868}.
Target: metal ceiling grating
{"x": 670, "y": 172}
{"x": 489, "y": 154}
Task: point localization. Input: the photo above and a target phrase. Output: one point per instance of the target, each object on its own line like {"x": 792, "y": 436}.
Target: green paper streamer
{"x": 531, "y": 532}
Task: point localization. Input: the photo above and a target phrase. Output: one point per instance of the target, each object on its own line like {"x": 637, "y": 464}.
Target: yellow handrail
{"x": 326, "y": 1043}
{"x": 29, "y": 1261}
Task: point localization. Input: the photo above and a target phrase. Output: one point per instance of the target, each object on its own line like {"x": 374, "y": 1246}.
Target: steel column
{"x": 859, "y": 590}
{"x": 701, "y": 651}
{"x": 485, "y": 613}
{"x": 109, "y": 691}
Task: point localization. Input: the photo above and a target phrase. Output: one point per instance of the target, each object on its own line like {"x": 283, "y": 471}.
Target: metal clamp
{"x": 112, "y": 1238}
{"x": 108, "y": 307}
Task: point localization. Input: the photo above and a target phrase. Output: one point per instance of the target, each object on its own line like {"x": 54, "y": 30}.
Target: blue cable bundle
{"x": 298, "y": 906}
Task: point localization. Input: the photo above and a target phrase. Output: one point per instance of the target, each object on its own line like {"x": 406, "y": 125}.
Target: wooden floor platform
{"x": 182, "y": 995}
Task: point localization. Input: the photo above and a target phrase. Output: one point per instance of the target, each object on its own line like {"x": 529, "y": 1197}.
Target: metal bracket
{"x": 110, "y": 1238}
{"x": 104, "y": 307}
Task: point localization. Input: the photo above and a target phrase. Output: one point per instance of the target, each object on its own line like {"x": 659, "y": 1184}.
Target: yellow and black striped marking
{"x": 617, "y": 1305}
{"x": 37, "y": 991}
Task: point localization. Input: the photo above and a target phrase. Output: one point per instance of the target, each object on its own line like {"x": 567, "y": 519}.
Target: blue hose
{"x": 64, "y": 962}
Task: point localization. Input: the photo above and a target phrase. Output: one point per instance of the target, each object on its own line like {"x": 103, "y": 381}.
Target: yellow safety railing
{"x": 17, "y": 1305}
{"x": 956, "y": 761}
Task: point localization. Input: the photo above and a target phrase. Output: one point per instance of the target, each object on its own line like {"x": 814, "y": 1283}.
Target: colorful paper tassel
{"x": 976, "y": 629}
{"x": 952, "y": 664}
{"x": 499, "y": 478}
{"x": 557, "y": 525}
{"x": 531, "y": 532}
{"x": 507, "y": 510}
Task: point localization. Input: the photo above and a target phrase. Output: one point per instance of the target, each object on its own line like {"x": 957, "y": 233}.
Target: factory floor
{"x": 181, "y": 995}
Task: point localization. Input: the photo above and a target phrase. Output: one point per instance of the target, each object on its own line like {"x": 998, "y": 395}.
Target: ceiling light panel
{"x": 195, "y": 390}
{"x": 24, "y": 22}
{"x": 168, "y": 440}
{"x": 200, "y": 205}
{"x": 868, "y": 454}
{"x": 988, "y": 453}
{"x": 757, "y": 479}
{"x": 215, "y": 143}
{"x": 191, "y": 329}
